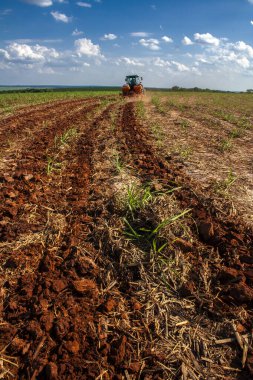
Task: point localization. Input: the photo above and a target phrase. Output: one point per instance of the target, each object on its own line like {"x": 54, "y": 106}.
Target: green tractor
{"x": 133, "y": 86}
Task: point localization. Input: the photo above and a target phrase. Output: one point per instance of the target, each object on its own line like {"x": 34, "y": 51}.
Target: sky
{"x": 187, "y": 43}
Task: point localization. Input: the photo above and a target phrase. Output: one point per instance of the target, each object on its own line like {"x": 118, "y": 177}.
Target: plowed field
{"x": 126, "y": 245}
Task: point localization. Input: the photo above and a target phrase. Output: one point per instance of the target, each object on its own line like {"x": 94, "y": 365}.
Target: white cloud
{"x": 170, "y": 65}
{"x": 243, "y": 47}
{"x": 4, "y": 54}
{"x": 206, "y": 39}
{"x": 187, "y": 41}
{"x": 201, "y": 59}
{"x": 243, "y": 62}
{"x": 25, "y": 52}
{"x": 28, "y": 53}
{"x": 40, "y": 3}
{"x": 251, "y": 22}
{"x": 167, "y": 39}
{"x": 140, "y": 34}
{"x": 180, "y": 66}
{"x": 85, "y": 46}
{"x": 151, "y": 43}
{"x": 84, "y": 5}
{"x": 234, "y": 57}
{"x": 77, "y": 32}
{"x": 130, "y": 62}
{"x": 61, "y": 17}
{"x": 109, "y": 36}
{"x": 250, "y": 1}
{"x": 33, "y": 41}
{"x": 161, "y": 62}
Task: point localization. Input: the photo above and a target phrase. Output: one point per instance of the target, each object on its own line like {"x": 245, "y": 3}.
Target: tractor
{"x": 133, "y": 86}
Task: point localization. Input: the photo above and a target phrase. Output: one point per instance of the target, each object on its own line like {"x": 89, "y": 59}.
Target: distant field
{"x": 240, "y": 103}
{"x": 9, "y": 102}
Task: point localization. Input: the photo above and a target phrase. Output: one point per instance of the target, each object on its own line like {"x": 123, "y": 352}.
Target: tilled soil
{"x": 63, "y": 286}
{"x": 216, "y": 152}
{"x": 56, "y": 295}
{"x": 233, "y": 241}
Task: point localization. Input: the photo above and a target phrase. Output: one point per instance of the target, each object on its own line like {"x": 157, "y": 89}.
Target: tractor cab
{"x": 133, "y": 80}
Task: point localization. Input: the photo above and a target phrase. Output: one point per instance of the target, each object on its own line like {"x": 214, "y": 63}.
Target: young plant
{"x": 225, "y": 145}
{"x": 235, "y": 133}
{"x": 118, "y": 163}
{"x": 156, "y": 101}
{"x": 65, "y": 137}
{"x": 158, "y": 132}
{"x": 140, "y": 109}
{"x": 231, "y": 178}
{"x": 244, "y": 123}
{"x": 222, "y": 187}
{"x": 148, "y": 236}
{"x": 184, "y": 124}
{"x": 186, "y": 153}
{"x": 137, "y": 198}
{"x": 52, "y": 166}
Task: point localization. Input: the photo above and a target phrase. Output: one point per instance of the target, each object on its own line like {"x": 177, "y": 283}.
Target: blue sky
{"x": 204, "y": 43}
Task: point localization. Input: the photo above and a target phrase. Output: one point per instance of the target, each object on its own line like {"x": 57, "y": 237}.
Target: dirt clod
{"x": 86, "y": 286}
{"x": 51, "y": 371}
{"x": 72, "y": 346}
{"x": 206, "y": 230}
{"x": 183, "y": 245}
{"x": 241, "y": 293}
{"x": 110, "y": 305}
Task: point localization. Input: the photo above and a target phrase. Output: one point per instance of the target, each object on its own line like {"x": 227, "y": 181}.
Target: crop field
{"x": 126, "y": 244}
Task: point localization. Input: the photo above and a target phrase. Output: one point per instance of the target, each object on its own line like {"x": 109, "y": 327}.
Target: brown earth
{"x": 225, "y": 235}
{"x": 71, "y": 307}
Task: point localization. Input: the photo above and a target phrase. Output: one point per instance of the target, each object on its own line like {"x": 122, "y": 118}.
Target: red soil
{"x": 52, "y": 306}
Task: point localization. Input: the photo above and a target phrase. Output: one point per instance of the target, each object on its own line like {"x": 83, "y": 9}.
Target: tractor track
{"x": 119, "y": 268}
{"x": 23, "y": 179}
{"x": 20, "y": 142}
{"x": 231, "y": 238}
{"x": 13, "y": 127}
{"x": 50, "y": 318}
{"x": 33, "y": 110}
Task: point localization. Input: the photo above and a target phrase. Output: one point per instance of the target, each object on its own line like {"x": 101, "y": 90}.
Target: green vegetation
{"x": 137, "y": 198}
{"x": 236, "y": 132}
{"x": 158, "y": 133}
{"x": 141, "y": 224}
{"x": 225, "y": 145}
{"x": 65, "y": 137}
{"x": 184, "y": 124}
{"x": 140, "y": 109}
{"x": 119, "y": 165}
{"x": 52, "y": 166}
{"x": 235, "y": 107}
{"x": 222, "y": 187}
{"x": 156, "y": 101}
{"x": 147, "y": 234}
